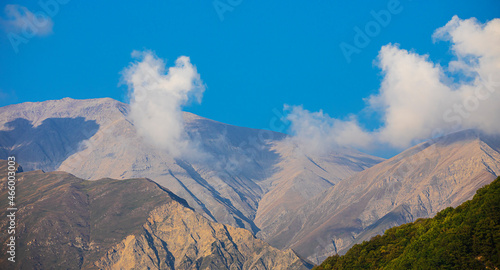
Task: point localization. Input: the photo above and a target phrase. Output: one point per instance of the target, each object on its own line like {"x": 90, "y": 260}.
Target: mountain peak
{"x": 96, "y": 138}
{"x": 454, "y": 139}
{"x": 416, "y": 183}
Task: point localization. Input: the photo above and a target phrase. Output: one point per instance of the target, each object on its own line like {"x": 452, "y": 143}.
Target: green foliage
{"x": 467, "y": 237}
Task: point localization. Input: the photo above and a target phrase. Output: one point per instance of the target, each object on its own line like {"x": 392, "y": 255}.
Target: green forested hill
{"x": 467, "y": 237}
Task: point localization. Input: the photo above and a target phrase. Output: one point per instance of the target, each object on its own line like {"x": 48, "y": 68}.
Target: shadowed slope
{"x": 65, "y": 222}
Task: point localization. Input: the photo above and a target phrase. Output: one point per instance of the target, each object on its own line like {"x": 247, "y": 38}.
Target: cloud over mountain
{"x": 318, "y": 133}
{"x": 157, "y": 97}
{"x": 419, "y": 99}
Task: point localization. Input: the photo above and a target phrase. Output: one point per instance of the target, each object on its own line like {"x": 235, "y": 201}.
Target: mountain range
{"x": 65, "y": 222}
{"x": 258, "y": 180}
{"x": 417, "y": 183}
{"x": 94, "y": 139}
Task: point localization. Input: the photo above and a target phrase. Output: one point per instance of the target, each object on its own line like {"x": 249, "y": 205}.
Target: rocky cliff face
{"x": 299, "y": 178}
{"x": 175, "y": 237}
{"x": 246, "y": 184}
{"x": 68, "y": 223}
{"x": 416, "y": 183}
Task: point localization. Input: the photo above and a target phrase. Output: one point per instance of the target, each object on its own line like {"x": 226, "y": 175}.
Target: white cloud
{"x": 19, "y": 19}
{"x": 411, "y": 97}
{"x": 418, "y": 99}
{"x": 318, "y": 133}
{"x": 156, "y": 100}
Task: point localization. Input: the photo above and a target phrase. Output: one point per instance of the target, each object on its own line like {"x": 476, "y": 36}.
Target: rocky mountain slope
{"x": 69, "y": 223}
{"x": 467, "y": 237}
{"x": 414, "y": 184}
{"x": 254, "y": 179}
{"x": 247, "y": 181}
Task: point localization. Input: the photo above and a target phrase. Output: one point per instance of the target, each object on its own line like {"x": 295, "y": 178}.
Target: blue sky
{"x": 257, "y": 57}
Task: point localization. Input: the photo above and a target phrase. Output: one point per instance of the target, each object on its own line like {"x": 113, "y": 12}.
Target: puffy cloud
{"x": 156, "y": 100}
{"x": 419, "y": 99}
{"x": 411, "y": 97}
{"x": 19, "y": 19}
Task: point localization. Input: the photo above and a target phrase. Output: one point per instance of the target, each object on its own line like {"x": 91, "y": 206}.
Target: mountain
{"x": 64, "y": 222}
{"x": 417, "y": 183}
{"x": 299, "y": 178}
{"x": 467, "y": 237}
{"x": 248, "y": 181}
{"x": 259, "y": 180}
